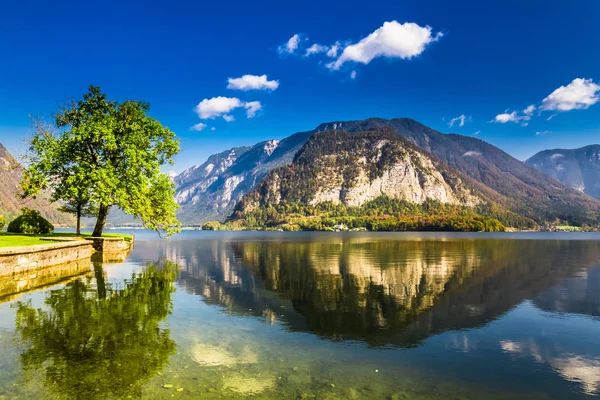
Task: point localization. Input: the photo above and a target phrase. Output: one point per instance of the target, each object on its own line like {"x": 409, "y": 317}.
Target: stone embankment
{"x": 23, "y": 259}
{"x": 26, "y": 268}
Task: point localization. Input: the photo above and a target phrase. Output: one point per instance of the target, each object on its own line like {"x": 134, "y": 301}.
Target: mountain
{"x": 499, "y": 176}
{"x": 354, "y": 168}
{"x": 211, "y": 190}
{"x": 373, "y": 179}
{"x": 10, "y": 205}
{"x": 492, "y": 173}
{"x": 578, "y": 168}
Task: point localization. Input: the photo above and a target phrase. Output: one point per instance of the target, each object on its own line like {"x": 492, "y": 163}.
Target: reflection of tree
{"x": 99, "y": 343}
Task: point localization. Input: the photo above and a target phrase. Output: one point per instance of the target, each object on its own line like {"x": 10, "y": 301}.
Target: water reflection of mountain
{"x": 377, "y": 291}
{"x": 579, "y": 294}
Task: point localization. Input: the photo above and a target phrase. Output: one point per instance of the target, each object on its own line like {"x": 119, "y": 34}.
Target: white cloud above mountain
{"x": 391, "y": 40}
{"x": 198, "y": 127}
{"x": 515, "y": 116}
{"x": 223, "y": 106}
{"x": 460, "y": 120}
{"x": 290, "y": 46}
{"x": 316, "y": 49}
{"x": 580, "y": 94}
{"x": 252, "y": 107}
{"x": 252, "y": 82}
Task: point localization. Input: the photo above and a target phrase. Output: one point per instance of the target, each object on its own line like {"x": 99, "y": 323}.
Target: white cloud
{"x": 213, "y": 129}
{"x": 333, "y": 50}
{"x": 515, "y": 116}
{"x": 290, "y": 46}
{"x": 542, "y": 133}
{"x": 476, "y": 133}
{"x": 461, "y": 119}
{"x": 252, "y": 82}
{"x": 580, "y": 94}
{"x": 252, "y": 107}
{"x": 506, "y": 117}
{"x": 353, "y": 74}
{"x": 222, "y": 106}
{"x": 316, "y": 49}
{"x": 392, "y": 40}
{"x": 556, "y": 156}
{"x": 528, "y": 111}
{"x": 198, "y": 127}
{"x": 217, "y": 106}
{"x": 472, "y": 154}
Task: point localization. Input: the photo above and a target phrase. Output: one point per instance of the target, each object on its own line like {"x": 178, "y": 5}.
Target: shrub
{"x": 30, "y": 221}
{"x": 211, "y": 226}
{"x": 2, "y": 222}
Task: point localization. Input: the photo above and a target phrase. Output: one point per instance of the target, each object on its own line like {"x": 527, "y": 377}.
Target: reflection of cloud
{"x": 510, "y": 346}
{"x": 579, "y": 369}
{"x": 572, "y": 367}
{"x": 461, "y": 342}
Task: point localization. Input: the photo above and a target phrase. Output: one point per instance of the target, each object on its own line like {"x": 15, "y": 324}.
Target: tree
{"x": 107, "y": 154}
{"x": 81, "y": 208}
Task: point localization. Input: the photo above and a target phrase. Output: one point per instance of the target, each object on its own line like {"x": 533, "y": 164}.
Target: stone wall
{"x": 23, "y": 259}
{"x": 109, "y": 244}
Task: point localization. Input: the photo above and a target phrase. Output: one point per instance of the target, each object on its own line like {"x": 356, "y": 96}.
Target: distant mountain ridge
{"x": 210, "y": 191}
{"x": 577, "y": 168}
{"x": 494, "y": 174}
{"x": 10, "y": 183}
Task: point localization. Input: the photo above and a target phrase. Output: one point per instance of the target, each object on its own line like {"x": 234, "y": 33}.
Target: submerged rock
{"x": 212, "y": 356}
{"x": 247, "y": 385}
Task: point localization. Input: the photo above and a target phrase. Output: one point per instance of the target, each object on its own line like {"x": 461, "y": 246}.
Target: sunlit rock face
{"x": 414, "y": 179}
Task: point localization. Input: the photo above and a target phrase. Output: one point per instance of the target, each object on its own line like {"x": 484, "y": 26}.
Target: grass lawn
{"x": 16, "y": 239}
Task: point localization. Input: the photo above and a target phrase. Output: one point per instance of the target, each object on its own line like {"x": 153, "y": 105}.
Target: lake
{"x": 314, "y": 315}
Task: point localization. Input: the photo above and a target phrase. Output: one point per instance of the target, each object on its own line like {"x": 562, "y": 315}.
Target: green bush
{"x": 211, "y": 226}
{"x": 2, "y": 222}
{"x": 30, "y": 221}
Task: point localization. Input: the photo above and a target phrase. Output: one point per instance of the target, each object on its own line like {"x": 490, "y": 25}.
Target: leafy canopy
{"x": 109, "y": 154}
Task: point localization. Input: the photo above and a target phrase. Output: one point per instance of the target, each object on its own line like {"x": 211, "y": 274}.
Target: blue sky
{"x": 429, "y": 60}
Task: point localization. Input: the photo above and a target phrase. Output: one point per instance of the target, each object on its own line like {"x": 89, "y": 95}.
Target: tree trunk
{"x": 78, "y": 219}
{"x": 100, "y": 281}
{"x": 101, "y": 220}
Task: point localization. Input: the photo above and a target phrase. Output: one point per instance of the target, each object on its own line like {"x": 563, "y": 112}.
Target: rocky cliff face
{"x": 578, "y": 168}
{"x": 352, "y": 169}
{"x": 10, "y": 205}
{"x": 211, "y": 190}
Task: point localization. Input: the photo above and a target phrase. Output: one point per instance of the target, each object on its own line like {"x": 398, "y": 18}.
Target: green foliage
{"x": 211, "y": 226}
{"x": 106, "y": 154}
{"x": 381, "y": 214}
{"x": 102, "y": 341}
{"x": 31, "y": 222}
{"x": 2, "y": 222}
